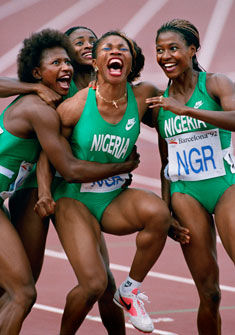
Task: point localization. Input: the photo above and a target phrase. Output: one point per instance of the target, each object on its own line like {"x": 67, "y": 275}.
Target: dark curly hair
{"x": 30, "y": 55}
{"x": 136, "y": 52}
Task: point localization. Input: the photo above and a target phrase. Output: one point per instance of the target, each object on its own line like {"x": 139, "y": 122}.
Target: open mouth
{"x": 64, "y": 82}
{"x": 169, "y": 66}
{"x": 87, "y": 55}
{"x": 115, "y": 66}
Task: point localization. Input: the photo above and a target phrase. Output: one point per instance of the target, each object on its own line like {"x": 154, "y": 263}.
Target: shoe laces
{"x": 141, "y": 296}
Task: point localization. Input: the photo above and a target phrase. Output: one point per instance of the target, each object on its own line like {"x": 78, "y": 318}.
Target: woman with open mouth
{"x": 32, "y": 228}
{"x": 103, "y": 126}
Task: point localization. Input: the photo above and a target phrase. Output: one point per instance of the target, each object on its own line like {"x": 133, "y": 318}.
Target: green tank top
{"x": 13, "y": 152}
{"x": 171, "y": 124}
{"x": 196, "y": 150}
{"x": 94, "y": 139}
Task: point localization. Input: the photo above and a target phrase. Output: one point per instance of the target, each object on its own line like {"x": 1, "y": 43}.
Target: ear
{"x": 94, "y": 64}
{"x": 193, "y": 50}
{"x": 37, "y": 73}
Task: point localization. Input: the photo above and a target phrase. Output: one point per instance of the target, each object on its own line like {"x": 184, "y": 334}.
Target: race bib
{"x": 105, "y": 185}
{"x": 23, "y": 173}
{"x": 195, "y": 156}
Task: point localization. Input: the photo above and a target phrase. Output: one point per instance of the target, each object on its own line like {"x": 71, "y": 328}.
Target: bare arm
{"x": 46, "y": 124}
{"x": 222, "y": 89}
{"x": 10, "y": 87}
{"x": 45, "y": 205}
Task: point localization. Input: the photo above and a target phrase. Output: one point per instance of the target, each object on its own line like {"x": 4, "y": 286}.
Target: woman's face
{"x": 83, "y": 40}
{"x": 173, "y": 54}
{"x": 114, "y": 59}
{"x": 55, "y": 70}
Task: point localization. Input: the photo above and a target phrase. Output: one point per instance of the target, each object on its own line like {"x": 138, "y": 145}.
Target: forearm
{"x": 220, "y": 119}
{"x": 84, "y": 171}
{"x": 10, "y": 87}
{"x": 44, "y": 176}
{"x": 165, "y": 189}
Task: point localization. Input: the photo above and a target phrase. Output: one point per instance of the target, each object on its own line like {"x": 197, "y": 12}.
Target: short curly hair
{"x": 30, "y": 55}
{"x": 136, "y": 52}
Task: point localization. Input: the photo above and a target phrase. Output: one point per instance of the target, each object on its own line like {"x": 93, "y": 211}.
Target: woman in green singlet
{"x": 32, "y": 229}
{"x": 103, "y": 125}
{"x": 198, "y": 174}
{"x": 29, "y": 121}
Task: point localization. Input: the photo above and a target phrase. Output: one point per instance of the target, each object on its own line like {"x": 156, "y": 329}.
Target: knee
{"x": 211, "y": 295}
{"x": 95, "y": 288}
{"x": 26, "y": 296}
{"x": 158, "y": 216}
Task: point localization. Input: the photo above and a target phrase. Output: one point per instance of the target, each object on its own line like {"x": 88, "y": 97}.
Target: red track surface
{"x": 174, "y": 300}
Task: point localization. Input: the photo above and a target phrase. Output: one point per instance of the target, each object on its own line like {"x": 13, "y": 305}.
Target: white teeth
{"x": 115, "y": 60}
{"x": 169, "y": 65}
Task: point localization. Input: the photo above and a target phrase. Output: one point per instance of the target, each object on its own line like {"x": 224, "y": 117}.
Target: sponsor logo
{"x": 127, "y": 284}
{"x": 173, "y": 141}
{"x": 198, "y": 104}
{"x": 130, "y": 123}
{"x": 127, "y": 306}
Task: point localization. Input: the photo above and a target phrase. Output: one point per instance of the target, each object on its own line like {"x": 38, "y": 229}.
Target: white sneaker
{"x": 132, "y": 303}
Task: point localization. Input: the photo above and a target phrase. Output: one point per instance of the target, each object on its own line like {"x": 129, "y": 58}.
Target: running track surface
{"x": 172, "y": 293}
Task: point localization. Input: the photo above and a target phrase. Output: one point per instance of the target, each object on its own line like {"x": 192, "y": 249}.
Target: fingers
{"x": 45, "y": 207}
{"x": 155, "y": 101}
{"x": 179, "y": 233}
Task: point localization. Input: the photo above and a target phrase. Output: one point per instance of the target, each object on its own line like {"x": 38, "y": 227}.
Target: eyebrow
{"x": 80, "y": 37}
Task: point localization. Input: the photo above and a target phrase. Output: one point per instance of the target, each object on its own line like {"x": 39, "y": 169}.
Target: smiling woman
{"x": 198, "y": 176}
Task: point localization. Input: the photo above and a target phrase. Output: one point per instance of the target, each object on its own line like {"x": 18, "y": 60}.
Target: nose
{"x": 166, "y": 54}
{"x": 66, "y": 66}
{"x": 115, "y": 51}
{"x": 88, "y": 44}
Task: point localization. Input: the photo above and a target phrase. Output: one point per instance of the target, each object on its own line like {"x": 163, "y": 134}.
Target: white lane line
{"x": 12, "y": 7}
{"x": 146, "y": 181}
{"x": 69, "y": 15}
{"x": 92, "y": 318}
{"x": 61, "y": 255}
{"x": 214, "y": 30}
{"x": 142, "y": 17}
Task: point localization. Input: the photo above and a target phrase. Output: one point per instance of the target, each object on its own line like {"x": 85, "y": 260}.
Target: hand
{"x": 127, "y": 181}
{"x": 178, "y": 232}
{"x": 170, "y": 104}
{"x": 48, "y": 95}
{"x": 134, "y": 158}
{"x": 45, "y": 206}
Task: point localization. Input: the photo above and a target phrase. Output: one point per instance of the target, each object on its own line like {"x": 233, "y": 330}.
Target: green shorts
{"x": 95, "y": 202}
{"x": 207, "y": 192}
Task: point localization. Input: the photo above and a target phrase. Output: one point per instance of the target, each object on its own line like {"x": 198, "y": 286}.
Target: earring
{"x": 96, "y": 69}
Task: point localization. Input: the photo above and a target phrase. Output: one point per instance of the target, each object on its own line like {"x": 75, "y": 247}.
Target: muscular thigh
{"x": 13, "y": 260}
{"x": 79, "y": 233}
{"x": 225, "y": 219}
{"x": 129, "y": 210}
{"x": 200, "y": 253}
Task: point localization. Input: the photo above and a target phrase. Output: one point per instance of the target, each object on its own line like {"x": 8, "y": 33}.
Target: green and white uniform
{"x": 31, "y": 180}
{"x": 17, "y": 156}
{"x": 94, "y": 139}
{"x": 200, "y": 155}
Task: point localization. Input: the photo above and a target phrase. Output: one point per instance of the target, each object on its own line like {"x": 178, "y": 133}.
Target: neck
{"x": 84, "y": 76}
{"x": 184, "y": 82}
{"x": 113, "y": 95}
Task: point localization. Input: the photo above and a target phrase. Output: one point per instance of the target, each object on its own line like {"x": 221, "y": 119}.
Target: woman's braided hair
{"x": 189, "y": 33}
